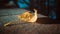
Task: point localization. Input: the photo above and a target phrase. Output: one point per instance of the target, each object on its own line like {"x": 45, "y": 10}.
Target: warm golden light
{"x": 28, "y": 17}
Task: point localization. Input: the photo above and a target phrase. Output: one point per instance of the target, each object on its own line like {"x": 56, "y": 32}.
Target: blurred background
{"x": 45, "y": 7}
{"x": 48, "y": 8}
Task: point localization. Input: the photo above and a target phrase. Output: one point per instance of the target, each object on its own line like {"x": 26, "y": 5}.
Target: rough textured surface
{"x": 31, "y": 28}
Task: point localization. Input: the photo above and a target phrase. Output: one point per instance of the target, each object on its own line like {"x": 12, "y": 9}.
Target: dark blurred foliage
{"x": 3, "y": 2}
{"x": 45, "y": 7}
